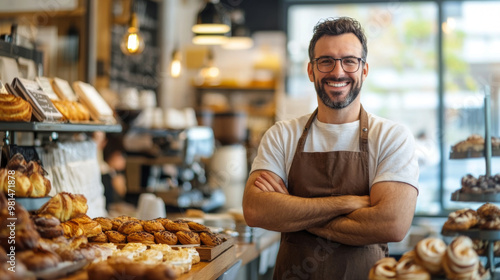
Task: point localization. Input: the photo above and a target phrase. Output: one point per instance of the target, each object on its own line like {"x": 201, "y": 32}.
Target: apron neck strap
{"x": 363, "y": 131}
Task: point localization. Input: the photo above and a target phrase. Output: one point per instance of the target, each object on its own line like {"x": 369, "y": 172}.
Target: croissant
{"x": 90, "y": 227}
{"x": 65, "y": 206}
{"x": 22, "y": 186}
{"x": 72, "y": 229}
{"x": 14, "y": 108}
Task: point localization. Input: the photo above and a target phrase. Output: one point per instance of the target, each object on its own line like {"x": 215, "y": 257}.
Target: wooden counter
{"x": 215, "y": 268}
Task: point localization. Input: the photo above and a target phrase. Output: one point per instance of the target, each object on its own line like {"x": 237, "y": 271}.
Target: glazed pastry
{"x": 163, "y": 221}
{"x": 135, "y": 247}
{"x": 116, "y": 237}
{"x": 165, "y": 237}
{"x": 461, "y": 261}
{"x": 176, "y": 226}
{"x": 72, "y": 229}
{"x": 65, "y": 206}
{"x": 210, "y": 239}
{"x": 106, "y": 223}
{"x": 384, "y": 269}
{"x": 48, "y": 226}
{"x": 141, "y": 237}
{"x": 14, "y": 108}
{"x": 150, "y": 257}
{"x": 430, "y": 252}
{"x": 488, "y": 211}
{"x": 480, "y": 246}
{"x": 152, "y": 226}
{"x": 462, "y": 219}
{"x": 408, "y": 268}
{"x": 116, "y": 223}
{"x": 129, "y": 227}
{"x": 90, "y": 227}
{"x": 101, "y": 238}
{"x": 194, "y": 226}
{"x": 188, "y": 237}
{"x": 490, "y": 224}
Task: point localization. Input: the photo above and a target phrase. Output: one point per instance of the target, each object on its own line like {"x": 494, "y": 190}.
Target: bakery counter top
{"x": 247, "y": 252}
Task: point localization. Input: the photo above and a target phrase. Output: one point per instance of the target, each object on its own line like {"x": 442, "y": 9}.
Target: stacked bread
{"x": 24, "y": 179}
{"x": 14, "y": 109}
{"x": 431, "y": 257}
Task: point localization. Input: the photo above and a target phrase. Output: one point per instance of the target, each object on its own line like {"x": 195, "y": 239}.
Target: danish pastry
{"x": 383, "y": 269}
{"x": 429, "y": 253}
{"x": 101, "y": 238}
{"x": 461, "y": 220}
{"x": 141, "y": 237}
{"x": 116, "y": 237}
{"x": 165, "y": 237}
{"x": 194, "y": 226}
{"x": 106, "y": 223}
{"x": 210, "y": 239}
{"x": 488, "y": 211}
{"x": 152, "y": 226}
{"x": 461, "y": 261}
{"x": 129, "y": 227}
{"x": 176, "y": 226}
{"x": 408, "y": 268}
{"x": 188, "y": 237}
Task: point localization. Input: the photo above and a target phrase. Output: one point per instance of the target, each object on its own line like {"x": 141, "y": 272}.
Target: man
{"x": 339, "y": 183}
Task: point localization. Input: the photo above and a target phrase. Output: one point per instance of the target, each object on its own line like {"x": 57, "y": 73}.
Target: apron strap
{"x": 302, "y": 139}
{"x": 363, "y": 130}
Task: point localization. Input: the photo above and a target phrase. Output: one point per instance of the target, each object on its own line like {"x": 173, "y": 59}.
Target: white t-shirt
{"x": 391, "y": 147}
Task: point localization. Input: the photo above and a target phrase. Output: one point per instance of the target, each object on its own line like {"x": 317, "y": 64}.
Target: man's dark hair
{"x": 114, "y": 144}
{"x": 337, "y": 26}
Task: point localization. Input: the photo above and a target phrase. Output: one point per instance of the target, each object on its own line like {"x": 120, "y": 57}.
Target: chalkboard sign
{"x": 139, "y": 71}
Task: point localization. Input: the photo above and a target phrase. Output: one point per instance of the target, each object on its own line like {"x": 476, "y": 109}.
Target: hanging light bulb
{"x": 175, "y": 65}
{"x": 209, "y": 74}
{"x": 212, "y": 19}
{"x": 132, "y": 42}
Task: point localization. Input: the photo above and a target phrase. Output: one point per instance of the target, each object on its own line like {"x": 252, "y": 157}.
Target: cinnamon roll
{"x": 384, "y": 269}
{"x": 461, "y": 261}
{"x": 408, "y": 268}
{"x": 430, "y": 252}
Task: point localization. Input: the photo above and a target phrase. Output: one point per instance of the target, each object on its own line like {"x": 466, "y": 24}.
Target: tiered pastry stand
{"x": 488, "y": 235}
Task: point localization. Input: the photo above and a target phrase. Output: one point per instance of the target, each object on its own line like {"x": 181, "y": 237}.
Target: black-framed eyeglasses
{"x": 326, "y": 64}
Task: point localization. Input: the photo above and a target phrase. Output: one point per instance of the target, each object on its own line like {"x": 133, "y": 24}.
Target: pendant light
{"x": 132, "y": 42}
{"x": 240, "y": 34}
{"x": 176, "y": 64}
{"x": 212, "y": 24}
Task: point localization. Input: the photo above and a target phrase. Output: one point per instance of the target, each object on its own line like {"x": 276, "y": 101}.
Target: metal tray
{"x": 489, "y": 235}
{"x": 475, "y": 197}
{"x": 472, "y": 154}
{"x": 59, "y": 127}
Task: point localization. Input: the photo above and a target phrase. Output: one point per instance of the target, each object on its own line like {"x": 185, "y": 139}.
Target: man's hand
{"x": 266, "y": 183}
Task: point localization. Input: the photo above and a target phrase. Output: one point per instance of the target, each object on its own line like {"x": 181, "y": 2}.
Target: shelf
{"x": 58, "y": 127}
{"x": 472, "y": 154}
{"x": 489, "y": 235}
{"x": 475, "y": 197}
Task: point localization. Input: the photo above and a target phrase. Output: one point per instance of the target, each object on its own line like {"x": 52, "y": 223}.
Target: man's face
{"x": 337, "y": 89}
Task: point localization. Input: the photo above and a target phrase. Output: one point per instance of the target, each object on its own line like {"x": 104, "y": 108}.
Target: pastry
{"x": 488, "y": 211}
{"x": 384, "y": 269}
{"x": 152, "y": 226}
{"x": 188, "y": 237}
{"x": 474, "y": 142}
{"x": 100, "y": 238}
{"x": 129, "y": 227}
{"x": 106, "y": 223}
{"x": 430, "y": 252}
{"x": 48, "y": 226}
{"x": 462, "y": 219}
{"x": 165, "y": 237}
{"x": 14, "y": 108}
{"x": 141, "y": 237}
{"x": 461, "y": 261}
{"x": 90, "y": 227}
{"x": 116, "y": 237}
{"x": 72, "y": 229}
{"x": 39, "y": 259}
{"x": 150, "y": 257}
{"x": 210, "y": 239}
{"x": 161, "y": 271}
{"x": 408, "y": 268}
{"x": 194, "y": 226}
{"x": 491, "y": 224}
{"x": 135, "y": 247}
{"x": 65, "y": 206}
{"x": 176, "y": 226}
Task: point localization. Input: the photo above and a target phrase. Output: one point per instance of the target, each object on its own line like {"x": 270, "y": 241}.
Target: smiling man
{"x": 338, "y": 183}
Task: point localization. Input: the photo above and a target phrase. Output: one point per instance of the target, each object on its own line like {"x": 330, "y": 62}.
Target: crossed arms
{"x": 383, "y": 216}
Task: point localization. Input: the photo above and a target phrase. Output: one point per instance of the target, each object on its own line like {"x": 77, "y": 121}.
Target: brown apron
{"x": 303, "y": 255}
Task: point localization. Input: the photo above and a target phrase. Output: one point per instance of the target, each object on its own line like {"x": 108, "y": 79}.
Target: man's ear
{"x": 310, "y": 72}
{"x": 365, "y": 71}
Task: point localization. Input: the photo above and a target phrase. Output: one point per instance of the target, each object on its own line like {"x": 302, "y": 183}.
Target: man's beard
{"x": 353, "y": 93}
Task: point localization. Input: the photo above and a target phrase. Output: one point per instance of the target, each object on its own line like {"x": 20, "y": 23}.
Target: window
{"x": 404, "y": 81}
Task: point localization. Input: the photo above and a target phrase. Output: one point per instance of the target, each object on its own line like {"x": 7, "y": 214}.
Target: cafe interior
{"x": 184, "y": 90}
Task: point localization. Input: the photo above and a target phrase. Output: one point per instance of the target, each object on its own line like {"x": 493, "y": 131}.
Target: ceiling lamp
{"x": 212, "y": 19}
{"x": 176, "y": 64}
{"x": 240, "y": 35}
{"x": 132, "y": 42}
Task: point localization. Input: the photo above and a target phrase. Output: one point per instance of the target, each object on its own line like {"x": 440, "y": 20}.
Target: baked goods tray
{"x": 59, "y": 127}
{"x": 472, "y": 154}
{"x": 475, "y": 197}
{"x": 61, "y": 270}
{"x": 489, "y": 235}
{"x": 208, "y": 253}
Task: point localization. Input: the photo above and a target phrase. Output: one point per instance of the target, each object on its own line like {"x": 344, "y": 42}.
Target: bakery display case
{"x": 482, "y": 189}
